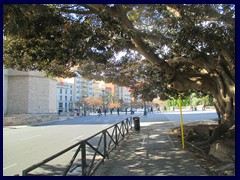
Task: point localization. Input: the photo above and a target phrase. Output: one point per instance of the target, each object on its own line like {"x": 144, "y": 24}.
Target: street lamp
{"x": 84, "y": 110}
{"x": 145, "y": 111}
{"x": 103, "y": 98}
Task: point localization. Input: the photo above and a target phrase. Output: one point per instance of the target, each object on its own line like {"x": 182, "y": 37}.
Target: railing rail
{"x": 92, "y": 153}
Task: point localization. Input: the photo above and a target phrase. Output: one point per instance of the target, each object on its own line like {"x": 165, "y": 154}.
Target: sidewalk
{"x": 150, "y": 152}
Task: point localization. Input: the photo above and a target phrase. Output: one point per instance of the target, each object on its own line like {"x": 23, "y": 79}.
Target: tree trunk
{"x": 226, "y": 113}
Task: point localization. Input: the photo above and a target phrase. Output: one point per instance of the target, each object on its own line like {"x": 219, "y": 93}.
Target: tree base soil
{"x": 217, "y": 158}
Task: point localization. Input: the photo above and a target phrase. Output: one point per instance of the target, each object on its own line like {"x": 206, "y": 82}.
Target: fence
{"x": 86, "y": 155}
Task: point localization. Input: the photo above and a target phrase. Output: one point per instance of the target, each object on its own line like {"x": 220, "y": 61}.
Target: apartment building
{"x": 83, "y": 88}
{"x": 65, "y": 94}
{"x": 123, "y": 93}
{"x": 98, "y": 89}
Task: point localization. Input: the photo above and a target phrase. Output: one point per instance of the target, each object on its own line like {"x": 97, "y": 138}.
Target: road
{"x": 24, "y": 146}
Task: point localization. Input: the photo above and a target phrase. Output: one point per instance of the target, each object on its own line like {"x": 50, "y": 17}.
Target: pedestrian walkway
{"x": 152, "y": 151}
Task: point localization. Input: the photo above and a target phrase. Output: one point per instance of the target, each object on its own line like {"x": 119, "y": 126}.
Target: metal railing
{"x": 86, "y": 155}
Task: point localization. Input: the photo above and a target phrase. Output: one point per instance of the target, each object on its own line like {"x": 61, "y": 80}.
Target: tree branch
{"x": 157, "y": 39}
{"x": 201, "y": 82}
{"x": 77, "y": 11}
{"x": 174, "y": 11}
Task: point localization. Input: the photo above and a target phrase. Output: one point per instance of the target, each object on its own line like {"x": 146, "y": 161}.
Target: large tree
{"x": 169, "y": 49}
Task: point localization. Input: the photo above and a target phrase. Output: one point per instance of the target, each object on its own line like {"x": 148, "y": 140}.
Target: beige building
{"x": 123, "y": 93}
{"x": 28, "y": 92}
{"x": 98, "y": 88}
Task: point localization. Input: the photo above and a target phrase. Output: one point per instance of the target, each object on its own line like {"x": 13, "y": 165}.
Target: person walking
{"x": 133, "y": 110}
{"x": 99, "y": 112}
{"x": 118, "y": 111}
{"x": 165, "y": 109}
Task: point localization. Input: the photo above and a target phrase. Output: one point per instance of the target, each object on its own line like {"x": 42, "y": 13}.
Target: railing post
{"x": 131, "y": 122}
{"x": 116, "y": 134}
{"x": 127, "y": 124}
{"x": 122, "y": 124}
{"x": 24, "y": 173}
{"x": 105, "y": 143}
{"x": 84, "y": 163}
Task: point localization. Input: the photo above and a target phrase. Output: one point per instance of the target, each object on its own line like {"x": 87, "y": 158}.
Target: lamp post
{"x": 145, "y": 111}
{"x": 84, "y": 110}
{"x": 103, "y": 98}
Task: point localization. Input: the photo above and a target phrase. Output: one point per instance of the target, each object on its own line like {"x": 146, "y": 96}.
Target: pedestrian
{"x": 126, "y": 110}
{"x": 99, "y": 112}
{"x": 204, "y": 107}
{"x": 133, "y": 110}
{"x": 105, "y": 111}
{"x": 118, "y": 111}
{"x": 151, "y": 109}
{"x": 165, "y": 109}
{"x": 111, "y": 110}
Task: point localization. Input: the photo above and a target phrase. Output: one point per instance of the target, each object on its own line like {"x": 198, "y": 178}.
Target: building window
{"x": 60, "y": 105}
{"x": 65, "y": 107}
{"x": 70, "y": 98}
{"x": 65, "y": 91}
{"x": 71, "y": 92}
{"x": 60, "y": 98}
{"x": 65, "y": 98}
{"x": 60, "y": 91}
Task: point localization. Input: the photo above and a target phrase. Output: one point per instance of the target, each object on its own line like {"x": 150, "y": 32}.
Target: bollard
{"x": 136, "y": 121}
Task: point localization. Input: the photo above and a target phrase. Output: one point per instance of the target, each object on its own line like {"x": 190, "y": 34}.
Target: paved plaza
{"x": 152, "y": 151}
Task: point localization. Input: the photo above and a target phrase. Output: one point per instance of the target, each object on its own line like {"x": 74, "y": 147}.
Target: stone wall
{"x": 5, "y": 90}
{"x": 17, "y": 94}
{"x": 29, "y": 92}
{"x": 28, "y": 119}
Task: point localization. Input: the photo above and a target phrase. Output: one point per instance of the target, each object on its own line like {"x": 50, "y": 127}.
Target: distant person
{"x": 204, "y": 107}
{"x": 126, "y": 110}
{"x": 118, "y": 111}
{"x": 133, "y": 110}
{"x": 151, "y": 110}
{"x": 165, "y": 109}
{"x": 105, "y": 111}
{"x": 99, "y": 112}
{"x": 111, "y": 110}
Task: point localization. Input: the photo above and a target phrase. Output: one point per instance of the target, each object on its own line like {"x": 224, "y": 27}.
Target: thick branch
{"x": 174, "y": 11}
{"x": 186, "y": 81}
{"x": 145, "y": 50}
{"x": 205, "y": 62}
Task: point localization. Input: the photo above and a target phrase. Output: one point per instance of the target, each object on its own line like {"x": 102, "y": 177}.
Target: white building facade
{"x": 83, "y": 88}
{"x": 65, "y": 97}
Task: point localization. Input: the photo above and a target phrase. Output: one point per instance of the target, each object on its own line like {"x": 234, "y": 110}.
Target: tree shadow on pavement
{"x": 151, "y": 152}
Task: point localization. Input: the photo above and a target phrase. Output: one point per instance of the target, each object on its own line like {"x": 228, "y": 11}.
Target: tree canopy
{"x": 168, "y": 48}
